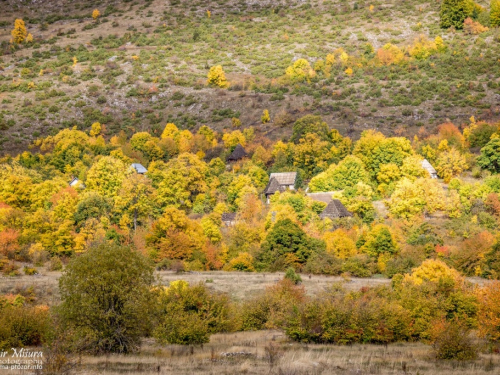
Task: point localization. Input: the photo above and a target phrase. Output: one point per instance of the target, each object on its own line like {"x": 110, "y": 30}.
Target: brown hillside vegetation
{"x": 144, "y": 63}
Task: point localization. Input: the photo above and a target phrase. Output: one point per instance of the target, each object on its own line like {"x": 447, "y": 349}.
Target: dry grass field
{"x": 238, "y": 285}
{"x": 268, "y": 352}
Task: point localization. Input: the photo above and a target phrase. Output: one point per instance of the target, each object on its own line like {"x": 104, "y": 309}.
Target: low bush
{"x": 452, "y": 341}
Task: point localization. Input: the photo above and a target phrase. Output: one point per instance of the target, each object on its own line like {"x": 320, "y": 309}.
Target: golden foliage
{"x": 217, "y": 77}
{"x": 19, "y": 33}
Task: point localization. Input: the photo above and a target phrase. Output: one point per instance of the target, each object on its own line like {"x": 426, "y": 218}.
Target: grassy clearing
{"x": 268, "y": 352}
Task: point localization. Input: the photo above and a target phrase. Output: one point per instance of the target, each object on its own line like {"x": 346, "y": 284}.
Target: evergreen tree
{"x": 454, "y": 12}
{"x": 495, "y": 13}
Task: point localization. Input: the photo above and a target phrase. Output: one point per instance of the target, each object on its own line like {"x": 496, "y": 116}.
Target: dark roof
{"x": 229, "y": 216}
{"x": 139, "y": 168}
{"x": 285, "y": 178}
{"x": 238, "y": 153}
{"x": 273, "y": 186}
{"x": 334, "y": 210}
{"x": 321, "y": 197}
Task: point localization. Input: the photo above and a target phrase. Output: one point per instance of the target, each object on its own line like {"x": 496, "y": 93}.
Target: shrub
{"x": 23, "y": 325}
{"x": 300, "y": 71}
{"x": 292, "y": 276}
{"x": 272, "y": 309}
{"x": 243, "y": 262}
{"x": 55, "y": 264}
{"x": 188, "y": 315}
{"x": 30, "y": 271}
{"x": 345, "y": 318}
{"x": 451, "y": 340}
{"x": 472, "y": 27}
{"x": 390, "y": 54}
{"x": 357, "y": 266}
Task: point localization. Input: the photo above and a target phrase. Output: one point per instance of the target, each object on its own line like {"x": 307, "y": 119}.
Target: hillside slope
{"x": 142, "y": 64}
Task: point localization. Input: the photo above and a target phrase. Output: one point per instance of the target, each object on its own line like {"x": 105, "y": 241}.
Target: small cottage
{"x": 237, "y": 154}
{"x": 280, "y": 182}
{"x": 139, "y": 168}
{"x": 429, "y": 168}
{"x": 285, "y": 179}
{"x": 229, "y": 218}
{"x": 76, "y": 183}
{"x": 334, "y": 210}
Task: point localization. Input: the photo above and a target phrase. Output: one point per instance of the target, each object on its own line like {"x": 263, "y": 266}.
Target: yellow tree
{"x": 19, "y": 32}
{"x": 489, "y": 311}
{"x": 300, "y": 71}
{"x": 450, "y": 163}
{"x": 96, "y": 14}
{"x": 432, "y": 270}
{"x": 339, "y": 244}
{"x": 217, "y": 77}
{"x": 175, "y": 236}
{"x": 182, "y": 180}
{"x": 232, "y": 139}
{"x": 106, "y": 176}
{"x": 136, "y": 198}
{"x": 265, "y": 117}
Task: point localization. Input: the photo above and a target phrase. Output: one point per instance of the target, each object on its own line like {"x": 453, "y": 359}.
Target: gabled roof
{"x": 139, "y": 168}
{"x": 75, "y": 182}
{"x": 321, "y": 197}
{"x": 238, "y": 153}
{"x": 273, "y": 186}
{"x": 229, "y": 216}
{"x": 335, "y": 209}
{"x": 428, "y": 167}
{"x": 285, "y": 178}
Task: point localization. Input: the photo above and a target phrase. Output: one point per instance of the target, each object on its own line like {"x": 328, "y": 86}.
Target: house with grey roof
{"x": 429, "y": 168}
{"x": 280, "y": 182}
{"x": 334, "y": 210}
{"x": 286, "y": 179}
{"x": 139, "y": 168}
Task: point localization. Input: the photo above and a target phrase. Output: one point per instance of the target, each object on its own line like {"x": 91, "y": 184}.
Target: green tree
{"x": 490, "y": 156}
{"x": 495, "y": 13}
{"x": 106, "y": 298}
{"x": 287, "y": 240}
{"x": 309, "y": 124}
{"x": 454, "y": 12}
{"x": 379, "y": 240}
{"x": 136, "y": 198}
{"x": 91, "y": 206}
